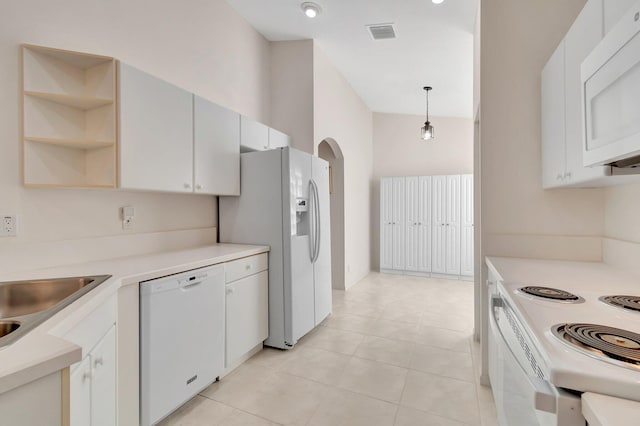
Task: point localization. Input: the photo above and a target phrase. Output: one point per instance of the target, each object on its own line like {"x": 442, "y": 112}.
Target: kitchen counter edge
{"x": 42, "y": 352}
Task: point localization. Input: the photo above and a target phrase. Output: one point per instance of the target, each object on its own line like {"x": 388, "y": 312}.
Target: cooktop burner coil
{"x": 631, "y": 303}
{"x": 606, "y": 343}
{"x": 551, "y": 293}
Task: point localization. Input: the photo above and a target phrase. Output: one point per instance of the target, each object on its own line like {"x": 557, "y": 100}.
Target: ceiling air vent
{"x": 382, "y": 31}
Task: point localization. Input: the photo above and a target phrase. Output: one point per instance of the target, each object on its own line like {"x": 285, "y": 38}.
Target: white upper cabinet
{"x": 216, "y": 147}
{"x": 584, "y": 35}
{"x": 156, "y": 133}
{"x": 563, "y": 123}
{"x": 277, "y": 139}
{"x": 553, "y": 119}
{"x": 614, "y": 10}
{"x": 254, "y": 136}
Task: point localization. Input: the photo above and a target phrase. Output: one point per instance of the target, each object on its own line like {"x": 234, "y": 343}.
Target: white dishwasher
{"x": 181, "y": 339}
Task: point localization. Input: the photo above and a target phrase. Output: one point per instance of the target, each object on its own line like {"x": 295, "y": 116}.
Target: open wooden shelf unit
{"x": 69, "y": 118}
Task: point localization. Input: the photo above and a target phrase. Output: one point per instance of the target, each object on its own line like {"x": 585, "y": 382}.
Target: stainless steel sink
{"x": 25, "y": 304}
{"x": 8, "y": 327}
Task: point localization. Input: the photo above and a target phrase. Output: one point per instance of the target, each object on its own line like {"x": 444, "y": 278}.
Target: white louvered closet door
{"x": 452, "y": 225}
{"x": 412, "y": 186}
{"x": 399, "y": 248}
{"x": 466, "y": 225}
{"x": 438, "y": 197}
{"x": 424, "y": 224}
{"x": 386, "y": 223}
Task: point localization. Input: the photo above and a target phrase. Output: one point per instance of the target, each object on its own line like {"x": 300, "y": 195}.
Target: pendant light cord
{"x": 427, "y": 90}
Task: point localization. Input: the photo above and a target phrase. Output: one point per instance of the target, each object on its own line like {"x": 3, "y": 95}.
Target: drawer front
{"x": 246, "y": 266}
{"x": 89, "y": 332}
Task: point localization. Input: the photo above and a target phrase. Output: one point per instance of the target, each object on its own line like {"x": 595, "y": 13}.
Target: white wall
{"x": 292, "y": 91}
{"x": 621, "y": 246}
{"x": 201, "y": 45}
{"x": 519, "y": 218}
{"x": 399, "y": 151}
{"x": 341, "y": 115}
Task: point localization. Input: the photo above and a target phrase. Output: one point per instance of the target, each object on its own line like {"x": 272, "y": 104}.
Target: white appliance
{"x": 537, "y": 371}
{"x": 181, "y": 339}
{"x": 611, "y": 96}
{"x": 284, "y": 203}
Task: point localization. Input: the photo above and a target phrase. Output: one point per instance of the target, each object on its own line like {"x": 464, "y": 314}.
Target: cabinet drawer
{"x": 246, "y": 266}
{"x": 89, "y": 332}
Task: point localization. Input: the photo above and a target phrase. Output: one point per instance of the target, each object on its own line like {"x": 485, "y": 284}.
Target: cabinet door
{"x": 553, "y": 120}
{"x": 103, "y": 381}
{"x": 216, "y": 147}
{"x": 439, "y": 186}
{"x": 452, "y": 226}
{"x": 398, "y": 246}
{"x": 466, "y": 225}
{"x": 156, "y": 133}
{"x": 80, "y": 394}
{"x": 584, "y": 35}
{"x": 254, "y": 136}
{"x": 386, "y": 223}
{"x": 278, "y": 139}
{"x": 411, "y": 225}
{"x": 424, "y": 224}
{"x": 614, "y": 10}
{"x": 247, "y": 322}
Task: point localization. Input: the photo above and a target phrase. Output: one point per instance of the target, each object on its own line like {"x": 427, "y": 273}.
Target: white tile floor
{"x": 396, "y": 351}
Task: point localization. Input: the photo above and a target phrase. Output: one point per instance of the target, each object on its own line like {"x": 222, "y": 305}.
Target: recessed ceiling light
{"x": 437, "y": 1}
{"x": 311, "y": 9}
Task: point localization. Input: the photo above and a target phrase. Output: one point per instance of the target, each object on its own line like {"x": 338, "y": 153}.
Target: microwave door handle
{"x": 544, "y": 397}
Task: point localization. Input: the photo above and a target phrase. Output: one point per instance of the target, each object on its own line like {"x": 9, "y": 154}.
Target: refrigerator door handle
{"x": 312, "y": 243}
{"x": 316, "y": 208}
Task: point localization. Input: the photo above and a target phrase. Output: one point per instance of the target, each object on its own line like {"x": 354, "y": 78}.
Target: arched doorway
{"x": 330, "y": 151}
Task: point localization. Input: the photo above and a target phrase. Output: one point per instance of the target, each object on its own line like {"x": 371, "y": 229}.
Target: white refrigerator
{"x": 284, "y": 203}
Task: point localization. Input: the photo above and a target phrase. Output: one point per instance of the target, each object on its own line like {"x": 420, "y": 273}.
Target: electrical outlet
{"x": 8, "y": 226}
{"x": 128, "y": 213}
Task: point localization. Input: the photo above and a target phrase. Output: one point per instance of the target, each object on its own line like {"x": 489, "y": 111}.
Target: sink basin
{"x": 8, "y": 327}
{"x": 26, "y": 297}
{"x": 25, "y": 304}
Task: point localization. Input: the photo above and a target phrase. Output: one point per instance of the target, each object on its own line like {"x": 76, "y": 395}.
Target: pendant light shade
{"x": 427, "y": 132}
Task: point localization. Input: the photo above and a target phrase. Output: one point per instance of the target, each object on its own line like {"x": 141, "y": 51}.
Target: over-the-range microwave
{"x": 611, "y": 96}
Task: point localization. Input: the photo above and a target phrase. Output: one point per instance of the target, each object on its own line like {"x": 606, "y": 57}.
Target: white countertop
{"x": 40, "y": 353}
{"x": 601, "y": 410}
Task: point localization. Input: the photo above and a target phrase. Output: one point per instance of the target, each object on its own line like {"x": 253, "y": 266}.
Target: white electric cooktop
{"x": 567, "y": 366}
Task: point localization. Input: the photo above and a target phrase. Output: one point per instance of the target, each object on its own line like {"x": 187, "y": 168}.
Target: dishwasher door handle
{"x": 189, "y": 286}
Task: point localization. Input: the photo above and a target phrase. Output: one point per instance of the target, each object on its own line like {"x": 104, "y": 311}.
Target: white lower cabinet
{"x": 426, "y": 225}
{"x": 92, "y": 385}
{"x": 247, "y": 306}
{"x": 92, "y": 381}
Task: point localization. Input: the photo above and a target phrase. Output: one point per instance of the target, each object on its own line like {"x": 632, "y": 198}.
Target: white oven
{"x": 611, "y": 96}
{"x": 524, "y": 396}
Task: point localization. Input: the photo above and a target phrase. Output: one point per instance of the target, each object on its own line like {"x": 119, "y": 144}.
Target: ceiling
{"x": 434, "y": 46}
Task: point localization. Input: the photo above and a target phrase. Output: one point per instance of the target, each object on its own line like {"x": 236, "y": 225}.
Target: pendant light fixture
{"x": 427, "y": 129}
